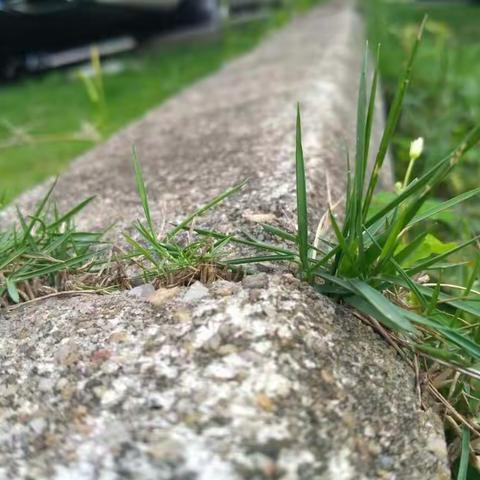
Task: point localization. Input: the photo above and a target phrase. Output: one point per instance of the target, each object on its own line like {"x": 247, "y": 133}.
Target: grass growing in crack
{"x": 175, "y": 257}
{"x": 45, "y": 253}
{"x": 377, "y": 261}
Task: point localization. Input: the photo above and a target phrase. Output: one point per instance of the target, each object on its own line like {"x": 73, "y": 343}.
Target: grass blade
{"x": 392, "y": 119}
{"x": 384, "y": 306}
{"x": 200, "y": 211}
{"x": 142, "y": 190}
{"x": 444, "y": 206}
{"x": 302, "y": 213}
{"x": 463, "y": 464}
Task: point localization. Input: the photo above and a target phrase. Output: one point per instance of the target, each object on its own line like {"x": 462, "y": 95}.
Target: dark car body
{"x": 29, "y": 27}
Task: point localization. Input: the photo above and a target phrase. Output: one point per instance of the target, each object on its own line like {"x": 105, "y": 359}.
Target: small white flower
{"x": 416, "y": 148}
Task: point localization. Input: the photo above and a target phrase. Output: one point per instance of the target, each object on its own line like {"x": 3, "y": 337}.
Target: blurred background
{"x": 74, "y": 71}
{"x": 442, "y": 103}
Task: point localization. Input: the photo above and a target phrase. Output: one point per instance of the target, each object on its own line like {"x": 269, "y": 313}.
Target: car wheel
{"x": 198, "y": 11}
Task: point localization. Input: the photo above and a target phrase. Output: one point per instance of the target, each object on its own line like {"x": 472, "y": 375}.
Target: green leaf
{"x": 302, "y": 214}
{"x": 365, "y": 307}
{"x": 406, "y": 249}
{"x": 12, "y": 290}
{"x": 463, "y": 465}
{"x": 386, "y": 308}
{"x": 430, "y": 245}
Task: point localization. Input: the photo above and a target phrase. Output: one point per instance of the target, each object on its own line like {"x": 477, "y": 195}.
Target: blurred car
{"x": 245, "y": 5}
{"x": 30, "y": 29}
{"x": 37, "y": 35}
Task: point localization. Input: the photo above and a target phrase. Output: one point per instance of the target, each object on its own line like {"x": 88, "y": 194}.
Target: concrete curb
{"x": 252, "y": 380}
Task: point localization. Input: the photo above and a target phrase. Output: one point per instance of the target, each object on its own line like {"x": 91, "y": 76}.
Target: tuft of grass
{"x": 45, "y": 253}
{"x": 175, "y": 257}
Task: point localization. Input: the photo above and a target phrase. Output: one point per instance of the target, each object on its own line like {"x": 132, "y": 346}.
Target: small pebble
{"x": 260, "y": 280}
{"x": 120, "y": 336}
{"x": 142, "y": 291}
{"x": 196, "y": 292}
{"x": 163, "y": 295}
{"x": 38, "y": 425}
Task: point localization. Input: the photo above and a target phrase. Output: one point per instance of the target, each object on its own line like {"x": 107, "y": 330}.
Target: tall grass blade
{"x": 371, "y": 112}
{"x": 360, "y": 149}
{"x": 392, "y": 119}
{"x": 301, "y": 188}
{"x": 142, "y": 190}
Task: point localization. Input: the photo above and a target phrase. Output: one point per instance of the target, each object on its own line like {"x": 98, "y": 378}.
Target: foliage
{"x": 172, "y": 257}
{"x": 443, "y": 102}
{"x": 43, "y": 252}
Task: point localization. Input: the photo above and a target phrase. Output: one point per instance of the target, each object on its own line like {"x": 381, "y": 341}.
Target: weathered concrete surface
{"x": 252, "y": 380}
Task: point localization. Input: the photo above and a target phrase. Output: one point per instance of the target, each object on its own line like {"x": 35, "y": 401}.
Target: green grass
{"x": 443, "y": 101}
{"x": 375, "y": 261}
{"x": 52, "y": 109}
{"x": 173, "y": 257}
{"x": 45, "y": 253}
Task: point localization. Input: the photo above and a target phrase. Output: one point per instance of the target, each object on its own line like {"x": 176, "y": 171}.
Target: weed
{"x": 94, "y": 87}
{"x": 45, "y": 253}
{"x": 175, "y": 257}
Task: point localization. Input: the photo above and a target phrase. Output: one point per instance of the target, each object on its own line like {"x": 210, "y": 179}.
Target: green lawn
{"x": 53, "y": 108}
{"x": 443, "y": 101}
